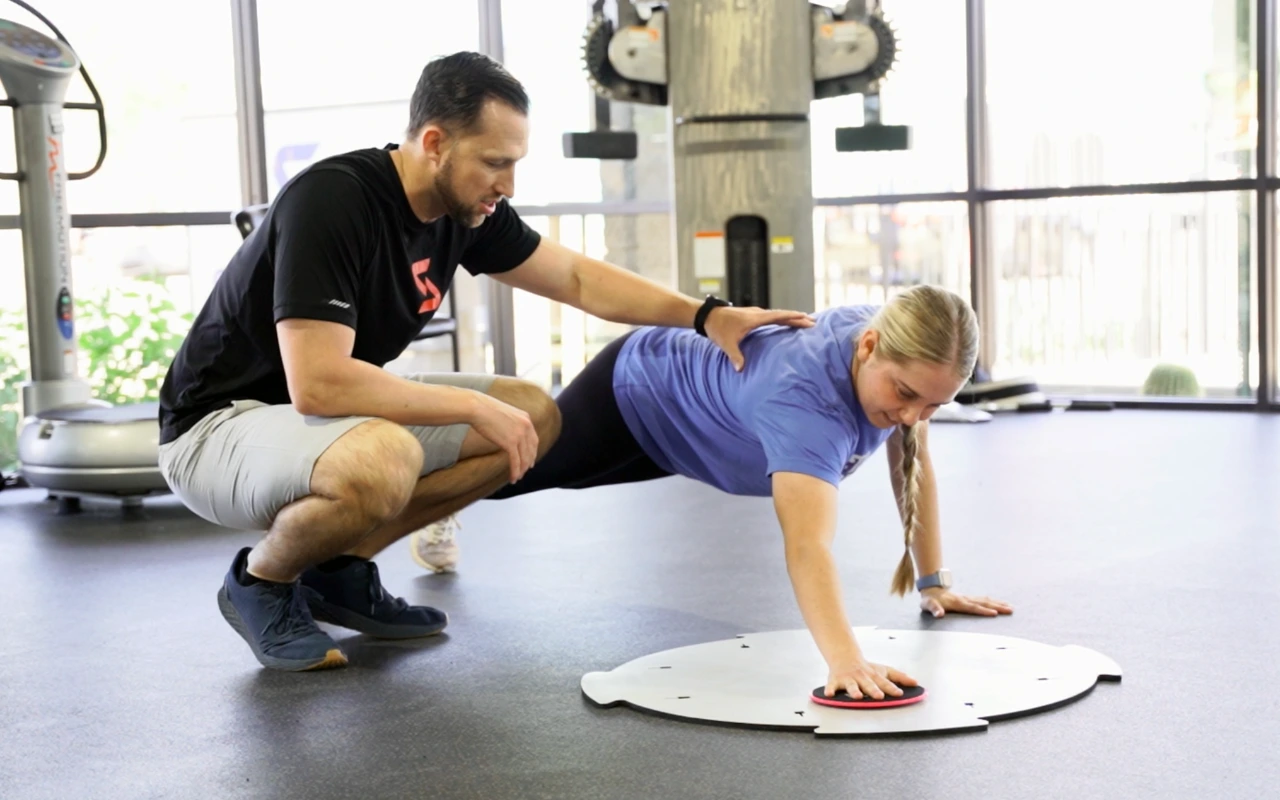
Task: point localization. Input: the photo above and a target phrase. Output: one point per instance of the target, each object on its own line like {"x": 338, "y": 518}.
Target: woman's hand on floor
{"x": 939, "y": 601}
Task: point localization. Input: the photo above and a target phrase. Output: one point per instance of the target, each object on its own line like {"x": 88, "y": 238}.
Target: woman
{"x": 810, "y": 406}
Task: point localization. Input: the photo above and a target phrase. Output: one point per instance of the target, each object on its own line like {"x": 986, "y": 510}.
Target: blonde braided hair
{"x": 922, "y": 323}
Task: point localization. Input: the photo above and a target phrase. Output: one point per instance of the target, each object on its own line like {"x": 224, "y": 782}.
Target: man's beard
{"x": 453, "y": 205}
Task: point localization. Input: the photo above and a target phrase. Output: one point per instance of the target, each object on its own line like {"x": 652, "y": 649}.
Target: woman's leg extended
{"x": 640, "y": 468}
{"x": 594, "y": 439}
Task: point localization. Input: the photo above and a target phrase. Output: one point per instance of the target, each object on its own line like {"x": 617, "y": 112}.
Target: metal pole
{"x": 501, "y": 306}
{"x": 982, "y": 269}
{"x": 491, "y": 29}
{"x": 1266, "y": 200}
{"x": 249, "y": 114}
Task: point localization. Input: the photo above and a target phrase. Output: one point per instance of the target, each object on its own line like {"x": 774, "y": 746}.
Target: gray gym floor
{"x": 1153, "y": 537}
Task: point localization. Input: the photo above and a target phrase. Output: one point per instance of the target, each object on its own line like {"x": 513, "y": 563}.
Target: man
{"x": 277, "y": 416}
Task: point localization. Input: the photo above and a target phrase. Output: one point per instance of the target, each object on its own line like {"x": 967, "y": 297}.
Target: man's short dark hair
{"x": 453, "y": 89}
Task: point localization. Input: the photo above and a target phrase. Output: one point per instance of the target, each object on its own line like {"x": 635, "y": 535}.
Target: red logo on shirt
{"x": 430, "y": 294}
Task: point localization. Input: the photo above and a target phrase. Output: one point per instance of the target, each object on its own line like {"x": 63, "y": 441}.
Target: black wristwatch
{"x": 700, "y": 319}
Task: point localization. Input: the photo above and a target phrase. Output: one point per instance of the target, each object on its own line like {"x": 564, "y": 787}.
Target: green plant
{"x": 128, "y": 336}
{"x": 1172, "y": 380}
{"x": 13, "y": 371}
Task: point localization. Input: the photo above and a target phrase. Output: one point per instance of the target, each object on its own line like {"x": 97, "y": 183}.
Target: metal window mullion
{"x": 502, "y": 334}
{"x": 1051, "y": 192}
{"x": 249, "y": 114}
{"x": 981, "y": 261}
{"x": 491, "y": 29}
{"x": 1266, "y": 200}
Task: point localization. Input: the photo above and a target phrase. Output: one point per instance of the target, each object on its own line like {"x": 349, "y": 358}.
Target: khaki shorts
{"x": 240, "y": 465}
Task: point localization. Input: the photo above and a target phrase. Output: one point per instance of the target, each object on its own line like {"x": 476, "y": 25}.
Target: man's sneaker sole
{"x": 332, "y": 658}
{"x": 322, "y": 611}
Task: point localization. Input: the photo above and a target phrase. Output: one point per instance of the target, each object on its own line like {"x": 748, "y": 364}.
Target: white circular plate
{"x": 764, "y": 680}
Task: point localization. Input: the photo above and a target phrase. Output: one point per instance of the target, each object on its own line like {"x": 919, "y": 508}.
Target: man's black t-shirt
{"x": 340, "y": 243}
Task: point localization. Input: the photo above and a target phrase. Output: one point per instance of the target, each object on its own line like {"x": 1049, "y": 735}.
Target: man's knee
{"x": 539, "y": 405}
{"x": 373, "y": 467}
{"x": 546, "y": 419}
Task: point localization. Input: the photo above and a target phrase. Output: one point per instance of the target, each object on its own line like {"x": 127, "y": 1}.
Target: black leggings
{"x": 595, "y": 447}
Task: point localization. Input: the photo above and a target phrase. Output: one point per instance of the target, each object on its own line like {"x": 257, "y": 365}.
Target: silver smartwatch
{"x": 940, "y": 578}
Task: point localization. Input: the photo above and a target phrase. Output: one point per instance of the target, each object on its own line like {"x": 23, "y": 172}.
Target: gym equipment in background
{"x": 69, "y": 443}
{"x": 740, "y": 78}
{"x": 766, "y": 680}
{"x": 1020, "y": 395}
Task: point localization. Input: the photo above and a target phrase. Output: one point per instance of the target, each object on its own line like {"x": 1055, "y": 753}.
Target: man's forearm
{"x": 618, "y": 295}
{"x": 350, "y": 387}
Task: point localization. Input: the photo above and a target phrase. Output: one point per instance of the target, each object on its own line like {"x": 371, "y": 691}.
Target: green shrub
{"x": 13, "y": 371}
{"x": 128, "y": 336}
{"x": 1172, "y": 380}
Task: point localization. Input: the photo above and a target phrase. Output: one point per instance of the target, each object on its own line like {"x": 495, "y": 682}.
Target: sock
{"x": 244, "y": 578}
{"x": 339, "y": 562}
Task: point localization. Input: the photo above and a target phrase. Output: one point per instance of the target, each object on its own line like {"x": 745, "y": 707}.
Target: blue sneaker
{"x": 274, "y": 620}
{"x": 347, "y": 591}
